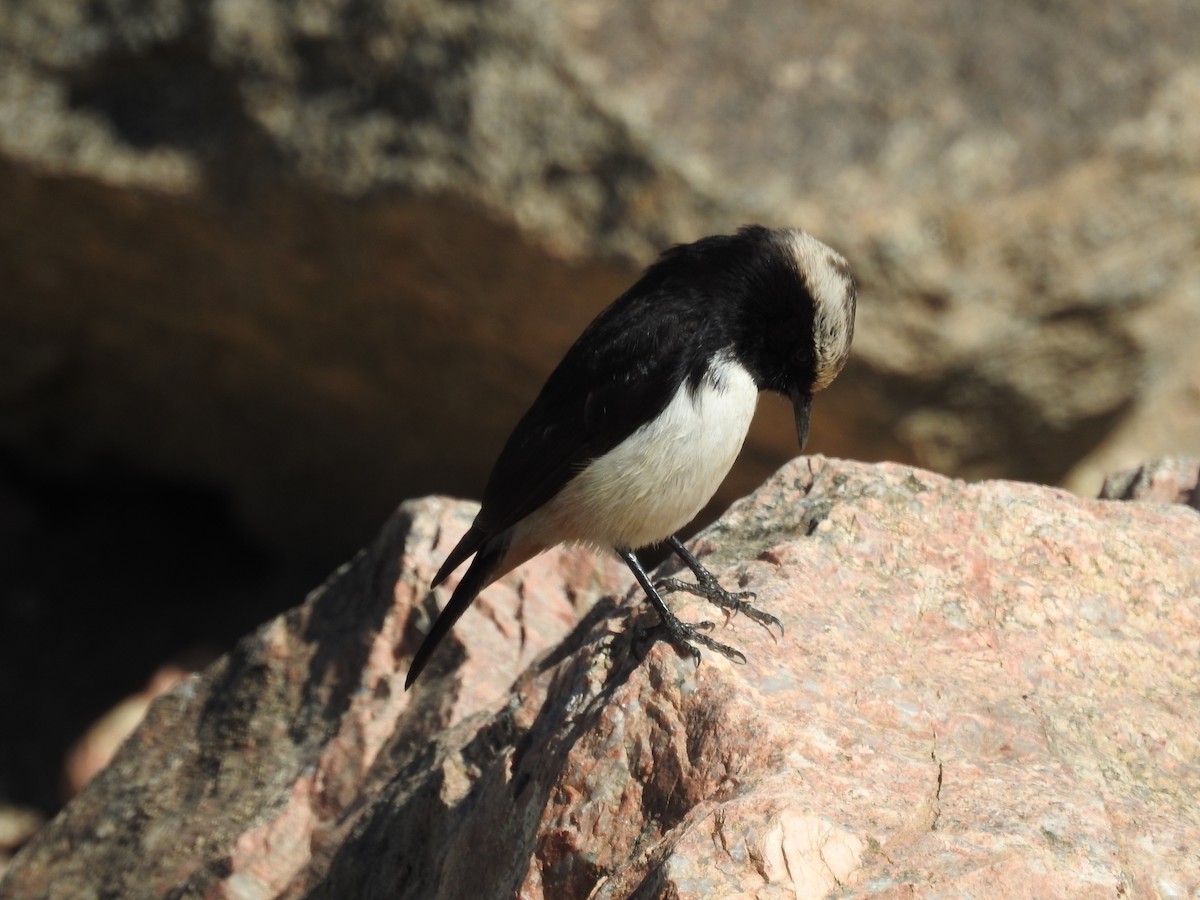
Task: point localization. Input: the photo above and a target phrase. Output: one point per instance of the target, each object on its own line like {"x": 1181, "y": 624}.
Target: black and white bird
{"x": 638, "y": 425}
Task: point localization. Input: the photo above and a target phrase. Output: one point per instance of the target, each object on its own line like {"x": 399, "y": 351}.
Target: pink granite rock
{"x": 984, "y": 689}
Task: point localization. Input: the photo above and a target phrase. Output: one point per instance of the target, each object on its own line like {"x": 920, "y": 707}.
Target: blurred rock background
{"x": 268, "y": 268}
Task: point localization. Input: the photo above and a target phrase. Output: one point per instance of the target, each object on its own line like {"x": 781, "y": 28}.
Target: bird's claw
{"x": 734, "y": 603}
{"x": 686, "y": 637}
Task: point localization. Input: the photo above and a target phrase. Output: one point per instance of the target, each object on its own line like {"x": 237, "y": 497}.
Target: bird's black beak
{"x": 802, "y": 403}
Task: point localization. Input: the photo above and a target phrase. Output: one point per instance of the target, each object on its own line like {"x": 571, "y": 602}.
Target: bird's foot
{"x": 683, "y": 636}
{"x": 686, "y": 637}
{"x": 733, "y": 603}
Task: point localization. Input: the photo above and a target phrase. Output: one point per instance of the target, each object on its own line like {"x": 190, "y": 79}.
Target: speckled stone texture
{"x": 986, "y": 689}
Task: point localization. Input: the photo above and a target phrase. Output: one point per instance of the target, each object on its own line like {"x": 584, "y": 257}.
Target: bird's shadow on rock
{"x": 329, "y": 638}
{"x": 466, "y": 820}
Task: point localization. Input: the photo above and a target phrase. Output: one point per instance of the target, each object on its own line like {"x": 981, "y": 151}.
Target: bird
{"x": 638, "y": 425}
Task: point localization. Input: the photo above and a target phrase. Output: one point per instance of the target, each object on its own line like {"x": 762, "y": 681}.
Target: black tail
{"x": 479, "y": 575}
{"x": 470, "y": 543}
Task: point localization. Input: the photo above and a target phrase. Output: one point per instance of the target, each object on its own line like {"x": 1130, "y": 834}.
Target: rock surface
{"x": 982, "y": 688}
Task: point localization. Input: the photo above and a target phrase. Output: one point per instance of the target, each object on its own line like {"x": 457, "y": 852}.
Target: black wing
{"x": 619, "y": 375}
{"x": 601, "y": 393}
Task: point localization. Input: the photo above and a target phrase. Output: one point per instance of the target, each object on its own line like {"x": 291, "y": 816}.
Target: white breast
{"x": 654, "y": 482}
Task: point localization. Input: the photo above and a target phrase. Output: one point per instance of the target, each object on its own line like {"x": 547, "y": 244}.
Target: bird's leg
{"x": 710, "y": 590}
{"x": 682, "y": 635}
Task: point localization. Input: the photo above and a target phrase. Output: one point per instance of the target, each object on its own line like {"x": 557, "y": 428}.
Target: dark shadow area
{"x": 170, "y": 95}
{"x": 344, "y": 618}
{"x": 275, "y": 357}
{"x": 415, "y": 838}
{"x": 105, "y": 576}
{"x": 173, "y": 95}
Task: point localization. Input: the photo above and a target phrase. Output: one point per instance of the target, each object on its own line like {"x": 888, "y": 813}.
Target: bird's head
{"x": 798, "y": 320}
{"x": 833, "y": 293}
